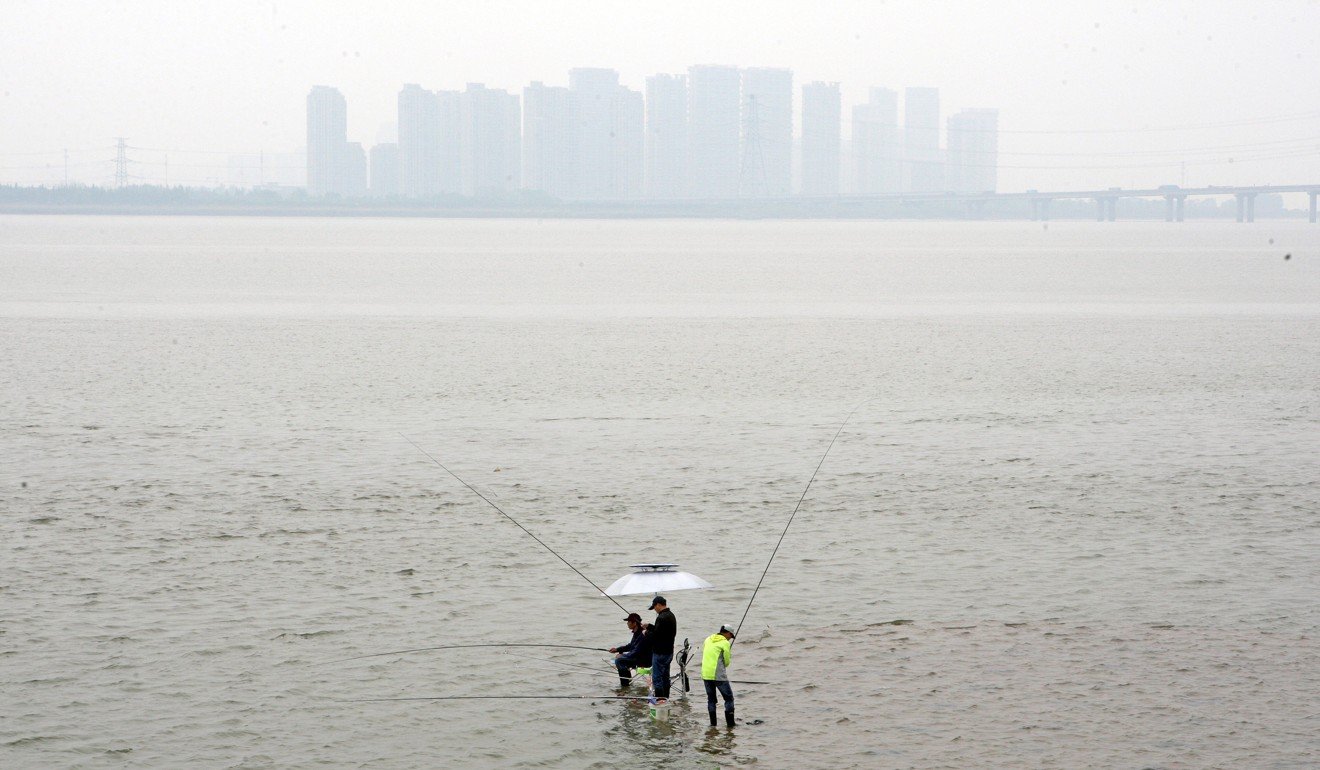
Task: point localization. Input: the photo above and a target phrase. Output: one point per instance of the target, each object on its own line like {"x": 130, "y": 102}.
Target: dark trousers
{"x": 626, "y": 665}
{"x": 660, "y": 673}
{"x": 724, "y": 690}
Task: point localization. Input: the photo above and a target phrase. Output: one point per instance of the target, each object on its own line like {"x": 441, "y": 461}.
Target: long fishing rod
{"x": 566, "y": 664}
{"x": 594, "y": 670}
{"x": 795, "y": 510}
{"x": 462, "y": 646}
{"x": 510, "y": 518}
{"x": 611, "y": 673}
{"x": 501, "y": 697}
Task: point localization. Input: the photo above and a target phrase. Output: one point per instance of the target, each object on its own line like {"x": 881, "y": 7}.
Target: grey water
{"x": 1075, "y": 524}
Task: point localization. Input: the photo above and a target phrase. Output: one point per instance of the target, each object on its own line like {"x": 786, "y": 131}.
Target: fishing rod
{"x": 610, "y": 672}
{"x": 730, "y": 681}
{"x": 463, "y": 646}
{"x": 795, "y": 510}
{"x": 566, "y": 664}
{"x": 500, "y": 697}
{"x": 510, "y": 518}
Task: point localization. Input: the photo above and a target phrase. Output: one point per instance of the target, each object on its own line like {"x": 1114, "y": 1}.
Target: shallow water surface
{"x": 1074, "y": 526}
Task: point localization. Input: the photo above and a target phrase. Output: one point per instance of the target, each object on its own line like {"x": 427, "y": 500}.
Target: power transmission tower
{"x": 751, "y": 177}
{"x": 121, "y": 162}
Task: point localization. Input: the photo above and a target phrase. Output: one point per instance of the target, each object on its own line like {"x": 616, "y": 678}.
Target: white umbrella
{"x": 654, "y": 579}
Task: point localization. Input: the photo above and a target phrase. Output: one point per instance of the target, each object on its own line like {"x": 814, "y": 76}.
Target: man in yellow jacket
{"x": 716, "y": 656}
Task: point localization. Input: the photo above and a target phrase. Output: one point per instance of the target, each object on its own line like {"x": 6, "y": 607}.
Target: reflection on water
{"x": 719, "y": 741}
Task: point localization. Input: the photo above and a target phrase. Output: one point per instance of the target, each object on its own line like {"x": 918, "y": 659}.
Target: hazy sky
{"x": 233, "y": 76}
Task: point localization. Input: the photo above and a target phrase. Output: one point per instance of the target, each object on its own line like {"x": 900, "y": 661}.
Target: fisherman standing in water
{"x": 662, "y": 635}
{"x": 636, "y": 653}
{"x": 716, "y": 656}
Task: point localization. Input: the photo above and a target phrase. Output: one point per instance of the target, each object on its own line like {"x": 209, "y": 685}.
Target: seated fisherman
{"x": 636, "y": 653}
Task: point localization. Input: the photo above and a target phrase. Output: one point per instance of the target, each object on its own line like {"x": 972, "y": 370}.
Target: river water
{"x": 1072, "y": 524}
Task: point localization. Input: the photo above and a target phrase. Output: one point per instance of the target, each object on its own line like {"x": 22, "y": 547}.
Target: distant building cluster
{"x": 716, "y": 132}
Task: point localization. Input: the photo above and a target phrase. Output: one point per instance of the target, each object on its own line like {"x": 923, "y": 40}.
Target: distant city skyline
{"x": 716, "y": 132}
{"x": 212, "y": 93}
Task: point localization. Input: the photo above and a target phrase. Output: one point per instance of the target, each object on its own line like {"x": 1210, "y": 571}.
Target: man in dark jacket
{"x": 637, "y": 652}
{"x": 663, "y": 632}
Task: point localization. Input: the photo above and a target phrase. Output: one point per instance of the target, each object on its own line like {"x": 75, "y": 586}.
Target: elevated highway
{"x": 1106, "y": 201}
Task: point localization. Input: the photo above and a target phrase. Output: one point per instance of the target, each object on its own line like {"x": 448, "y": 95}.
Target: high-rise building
{"x": 609, "y": 120}
{"x": 384, "y": 178}
{"x": 876, "y": 146}
{"x": 973, "y": 151}
{"x": 921, "y": 140}
{"x": 713, "y": 131}
{"x": 549, "y": 149}
{"x": 419, "y": 142}
{"x": 450, "y": 112}
{"x": 767, "y": 132}
{"x": 666, "y": 136}
{"x": 490, "y": 138}
{"x": 327, "y": 142}
{"x": 822, "y": 109}
{"x": 631, "y": 143}
{"x": 355, "y": 170}
{"x": 595, "y": 94}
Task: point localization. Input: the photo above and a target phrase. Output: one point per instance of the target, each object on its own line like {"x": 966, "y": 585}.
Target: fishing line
{"x": 510, "y": 518}
{"x": 795, "y": 510}
{"x": 500, "y": 697}
{"x": 460, "y": 647}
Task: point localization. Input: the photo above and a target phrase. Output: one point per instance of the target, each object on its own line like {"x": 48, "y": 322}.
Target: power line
{"x": 29, "y": 153}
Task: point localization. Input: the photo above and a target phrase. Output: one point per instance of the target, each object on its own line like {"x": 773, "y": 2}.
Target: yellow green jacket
{"x": 716, "y": 655}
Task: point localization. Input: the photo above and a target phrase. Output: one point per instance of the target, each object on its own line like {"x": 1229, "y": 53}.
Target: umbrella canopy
{"x": 654, "y": 579}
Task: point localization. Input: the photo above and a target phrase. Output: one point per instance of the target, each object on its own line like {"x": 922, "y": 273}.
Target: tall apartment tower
{"x": 713, "y": 131}
{"x": 384, "y": 177}
{"x": 549, "y": 148}
{"x": 419, "y": 142}
{"x": 921, "y": 140}
{"x": 609, "y": 134}
{"x": 355, "y": 170}
{"x": 327, "y": 142}
{"x": 973, "y": 155}
{"x": 595, "y": 95}
{"x": 490, "y": 139}
{"x": 450, "y": 112}
{"x": 822, "y": 109}
{"x": 666, "y": 136}
{"x": 767, "y": 132}
{"x": 877, "y": 149}
{"x": 631, "y": 142}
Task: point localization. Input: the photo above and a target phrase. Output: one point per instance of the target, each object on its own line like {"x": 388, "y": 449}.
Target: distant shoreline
{"x": 150, "y": 200}
{"x": 569, "y": 212}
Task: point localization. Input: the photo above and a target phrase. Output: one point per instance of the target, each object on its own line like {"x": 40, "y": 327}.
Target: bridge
{"x": 1106, "y": 201}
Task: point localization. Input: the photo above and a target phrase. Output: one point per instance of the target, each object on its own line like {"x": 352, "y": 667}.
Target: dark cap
{"x": 633, "y": 618}
{"x": 658, "y": 600}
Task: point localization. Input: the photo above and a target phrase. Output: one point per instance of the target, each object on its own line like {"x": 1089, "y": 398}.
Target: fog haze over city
{"x": 1088, "y": 96}
{"x": 369, "y": 368}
